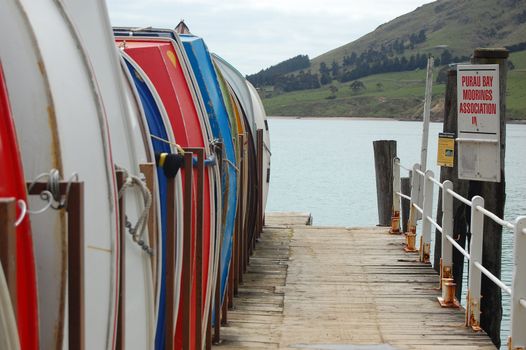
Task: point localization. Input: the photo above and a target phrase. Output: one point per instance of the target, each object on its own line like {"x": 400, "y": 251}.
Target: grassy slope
{"x": 400, "y": 96}
{"x": 462, "y": 25}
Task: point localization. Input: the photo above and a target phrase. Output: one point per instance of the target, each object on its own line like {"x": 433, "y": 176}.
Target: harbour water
{"x": 326, "y": 167}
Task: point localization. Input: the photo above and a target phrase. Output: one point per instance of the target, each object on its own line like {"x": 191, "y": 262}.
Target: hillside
{"x": 390, "y": 95}
{"x": 389, "y": 61}
{"x": 458, "y": 25}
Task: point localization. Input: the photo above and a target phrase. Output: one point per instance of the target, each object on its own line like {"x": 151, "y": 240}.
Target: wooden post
{"x": 75, "y": 232}
{"x": 121, "y": 315}
{"x": 198, "y": 322}
{"x": 260, "y": 146}
{"x": 217, "y": 303}
{"x": 149, "y": 172}
{"x": 209, "y": 329}
{"x": 8, "y": 246}
{"x": 495, "y": 196}
{"x": 460, "y": 216}
{"x": 170, "y": 251}
{"x": 384, "y": 152}
{"x": 187, "y": 251}
{"x": 406, "y": 189}
{"x": 76, "y": 311}
{"x": 199, "y": 247}
{"x": 224, "y": 306}
{"x": 241, "y": 227}
{"x": 517, "y": 338}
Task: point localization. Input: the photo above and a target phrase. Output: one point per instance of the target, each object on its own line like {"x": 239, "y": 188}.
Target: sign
{"x": 478, "y": 110}
{"x": 446, "y": 149}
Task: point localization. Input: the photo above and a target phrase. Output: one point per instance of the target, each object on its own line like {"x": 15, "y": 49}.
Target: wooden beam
{"x": 149, "y": 172}
{"x": 121, "y": 315}
{"x": 187, "y": 250}
{"x": 170, "y": 250}
{"x": 8, "y": 246}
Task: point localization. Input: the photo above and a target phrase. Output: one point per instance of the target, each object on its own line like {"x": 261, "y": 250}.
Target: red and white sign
{"x": 478, "y": 122}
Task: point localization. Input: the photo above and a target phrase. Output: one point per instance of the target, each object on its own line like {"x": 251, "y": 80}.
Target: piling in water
{"x": 384, "y": 152}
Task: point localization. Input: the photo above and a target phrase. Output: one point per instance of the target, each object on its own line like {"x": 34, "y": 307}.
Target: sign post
{"x": 478, "y": 122}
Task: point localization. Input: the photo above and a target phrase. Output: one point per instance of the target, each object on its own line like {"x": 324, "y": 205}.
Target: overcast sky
{"x": 255, "y": 34}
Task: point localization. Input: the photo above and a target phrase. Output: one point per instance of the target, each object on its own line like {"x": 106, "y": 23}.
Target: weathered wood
{"x": 76, "y": 278}
{"x": 121, "y": 316}
{"x": 8, "y": 246}
{"x": 187, "y": 251}
{"x": 341, "y": 286}
{"x": 384, "y": 152}
{"x": 460, "y": 216}
{"x": 149, "y": 172}
{"x": 406, "y": 189}
{"x": 171, "y": 239}
{"x": 495, "y": 195}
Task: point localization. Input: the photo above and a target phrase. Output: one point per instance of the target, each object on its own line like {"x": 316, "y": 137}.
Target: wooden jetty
{"x": 310, "y": 287}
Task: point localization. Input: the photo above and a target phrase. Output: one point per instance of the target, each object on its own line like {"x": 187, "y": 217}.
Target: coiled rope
{"x": 137, "y": 230}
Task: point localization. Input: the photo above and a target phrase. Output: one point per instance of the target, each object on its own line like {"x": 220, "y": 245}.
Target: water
{"x": 326, "y": 167}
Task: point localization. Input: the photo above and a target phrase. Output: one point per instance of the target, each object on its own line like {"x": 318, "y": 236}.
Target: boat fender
{"x": 169, "y": 162}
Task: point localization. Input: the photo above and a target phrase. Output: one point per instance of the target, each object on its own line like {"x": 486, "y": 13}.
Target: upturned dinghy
{"x": 62, "y": 125}
{"x": 129, "y": 149}
{"x": 163, "y": 142}
{"x": 12, "y": 185}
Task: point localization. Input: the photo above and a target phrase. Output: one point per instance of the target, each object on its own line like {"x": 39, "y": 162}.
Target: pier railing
{"x": 421, "y": 205}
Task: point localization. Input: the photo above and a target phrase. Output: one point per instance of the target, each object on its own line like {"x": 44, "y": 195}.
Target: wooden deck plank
{"x": 310, "y": 287}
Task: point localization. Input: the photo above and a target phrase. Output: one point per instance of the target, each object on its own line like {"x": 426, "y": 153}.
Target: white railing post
{"x": 447, "y": 284}
{"x": 395, "y": 217}
{"x": 447, "y": 230}
{"x": 518, "y": 308}
{"x": 475, "y": 252}
{"x": 427, "y": 209}
{"x": 411, "y": 223}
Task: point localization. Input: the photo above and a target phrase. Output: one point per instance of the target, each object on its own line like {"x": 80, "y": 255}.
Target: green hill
{"x": 390, "y": 95}
{"x": 390, "y": 62}
{"x": 458, "y": 25}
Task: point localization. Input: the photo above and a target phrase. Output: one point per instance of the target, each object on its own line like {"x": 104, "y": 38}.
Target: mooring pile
{"x": 134, "y": 171}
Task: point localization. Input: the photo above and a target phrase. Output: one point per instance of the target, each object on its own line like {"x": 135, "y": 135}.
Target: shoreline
{"x": 513, "y": 121}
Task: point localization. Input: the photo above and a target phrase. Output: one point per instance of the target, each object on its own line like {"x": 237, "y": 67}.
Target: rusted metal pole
{"x": 495, "y": 196}
{"x": 8, "y": 245}
{"x": 384, "y": 152}
{"x": 121, "y": 315}
{"x": 241, "y": 228}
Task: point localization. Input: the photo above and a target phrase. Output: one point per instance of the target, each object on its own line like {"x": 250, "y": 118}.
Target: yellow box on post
{"x": 446, "y": 149}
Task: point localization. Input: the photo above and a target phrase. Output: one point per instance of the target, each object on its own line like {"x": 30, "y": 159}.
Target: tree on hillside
{"x": 446, "y": 57}
{"x": 333, "y": 89}
{"x": 325, "y": 78}
{"x": 335, "y": 69}
{"x": 357, "y": 86}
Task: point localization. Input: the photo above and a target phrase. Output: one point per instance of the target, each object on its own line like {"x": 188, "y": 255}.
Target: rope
{"x": 180, "y": 150}
{"x": 138, "y": 230}
{"x": 231, "y": 164}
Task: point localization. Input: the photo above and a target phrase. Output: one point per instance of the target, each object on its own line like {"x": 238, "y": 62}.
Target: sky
{"x": 255, "y": 34}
